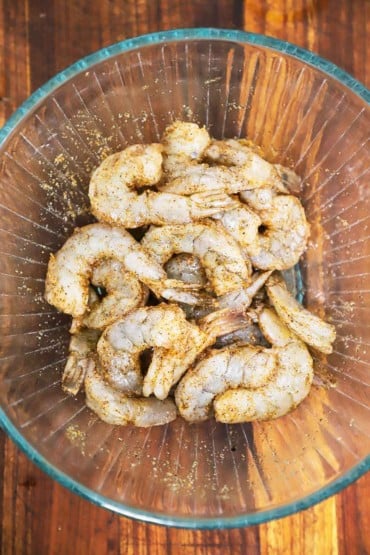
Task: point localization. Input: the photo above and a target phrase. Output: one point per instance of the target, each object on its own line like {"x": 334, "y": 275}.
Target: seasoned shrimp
{"x": 308, "y": 327}
{"x": 245, "y": 383}
{"x": 81, "y": 349}
{"x": 70, "y": 270}
{"x": 219, "y": 253}
{"x": 115, "y": 199}
{"x": 242, "y": 298}
{"x": 283, "y": 233}
{"x": 242, "y": 224}
{"x": 233, "y": 152}
{"x": 188, "y": 268}
{"x": 175, "y": 343}
{"x": 165, "y": 371}
{"x": 163, "y": 328}
{"x": 241, "y": 166}
{"x": 218, "y": 371}
{"x": 115, "y": 408}
{"x": 183, "y": 142}
{"x": 124, "y": 292}
{"x": 184, "y": 145}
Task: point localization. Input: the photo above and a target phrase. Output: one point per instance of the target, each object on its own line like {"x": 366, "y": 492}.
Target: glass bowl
{"x": 305, "y": 113}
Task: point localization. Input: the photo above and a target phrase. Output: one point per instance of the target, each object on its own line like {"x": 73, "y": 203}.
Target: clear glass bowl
{"x": 305, "y": 113}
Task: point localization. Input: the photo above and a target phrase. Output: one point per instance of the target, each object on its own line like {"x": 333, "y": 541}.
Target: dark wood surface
{"x": 39, "y": 38}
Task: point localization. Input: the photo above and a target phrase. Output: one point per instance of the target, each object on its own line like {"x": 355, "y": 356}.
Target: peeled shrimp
{"x": 219, "y": 253}
{"x": 284, "y": 236}
{"x": 308, "y": 327}
{"x": 163, "y": 328}
{"x": 218, "y": 371}
{"x": 183, "y": 142}
{"x": 233, "y": 152}
{"x": 175, "y": 343}
{"x": 115, "y": 408}
{"x": 244, "y": 170}
{"x": 242, "y": 223}
{"x": 184, "y": 145}
{"x": 70, "y": 269}
{"x": 114, "y": 197}
{"x": 245, "y": 383}
{"x": 124, "y": 292}
{"x": 188, "y": 268}
{"x": 81, "y": 348}
{"x": 165, "y": 371}
{"x": 241, "y": 167}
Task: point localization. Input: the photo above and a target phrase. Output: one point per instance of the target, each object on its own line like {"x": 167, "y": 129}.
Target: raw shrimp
{"x": 163, "y": 328}
{"x": 115, "y": 199}
{"x": 242, "y": 298}
{"x": 218, "y": 371}
{"x": 308, "y": 327}
{"x": 70, "y": 270}
{"x": 245, "y": 383}
{"x": 242, "y": 168}
{"x": 183, "y": 142}
{"x": 240, "y": 152}
{"x": 167, "y": 368}
{"x": 175, "y": 343}
{"x": 115, "y": 408}
{"x": 189, "y": 269}
{"x": 219, "y": 253}
{"x": 283, "y": 233}
{"x": 81, "y": 349}
{"x": 242, "y": 223}
{"x": 285, "y": 389}
{"x": 124, "y": 292}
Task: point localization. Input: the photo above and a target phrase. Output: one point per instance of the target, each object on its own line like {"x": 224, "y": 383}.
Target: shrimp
{"x": 308, "y": 327}
{"x": 188, "y": 268}
{"x": 245, "y": 383}
{"x": 282, "y": 236}
{"x": 124, "y": 292}
{"x": 183, "y": 142}
{"x": 116, "y": 408}
{"x": 233, "y": 152}
{"x": 244, "y": 170}
{"x": 163, "y": 328}
{"x": 81, "y": 348}
{"x": 243, "y": 298}
{"x": 70, "y": 270}
{"x": 242, "y": 224}
{"x": 165, "y": 371}
{"x": 175, "y": 342}
{"x": 114, "y": 197}
{"x": 219, "y": 253}
{"x": 241, "y": 166}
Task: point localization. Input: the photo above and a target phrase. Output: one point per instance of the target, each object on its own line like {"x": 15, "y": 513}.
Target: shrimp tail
{"x": 224, "y": 321}
{"x": 74, "y": 373}
{"x": 179, "y": 291}
{"x": 290, "y": 181}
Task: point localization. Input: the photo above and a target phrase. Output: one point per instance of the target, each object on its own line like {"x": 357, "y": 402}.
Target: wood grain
{"x": 39, "y": 38}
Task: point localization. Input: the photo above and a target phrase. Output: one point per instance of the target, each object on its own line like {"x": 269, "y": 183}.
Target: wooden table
{"x": 39, "y": 38}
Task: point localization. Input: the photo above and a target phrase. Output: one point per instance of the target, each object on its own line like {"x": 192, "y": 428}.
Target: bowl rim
{"x": 9, "y": 126}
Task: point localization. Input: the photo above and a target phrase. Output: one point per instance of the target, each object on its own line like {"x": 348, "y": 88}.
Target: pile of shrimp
{"x": 195, "y": 318}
